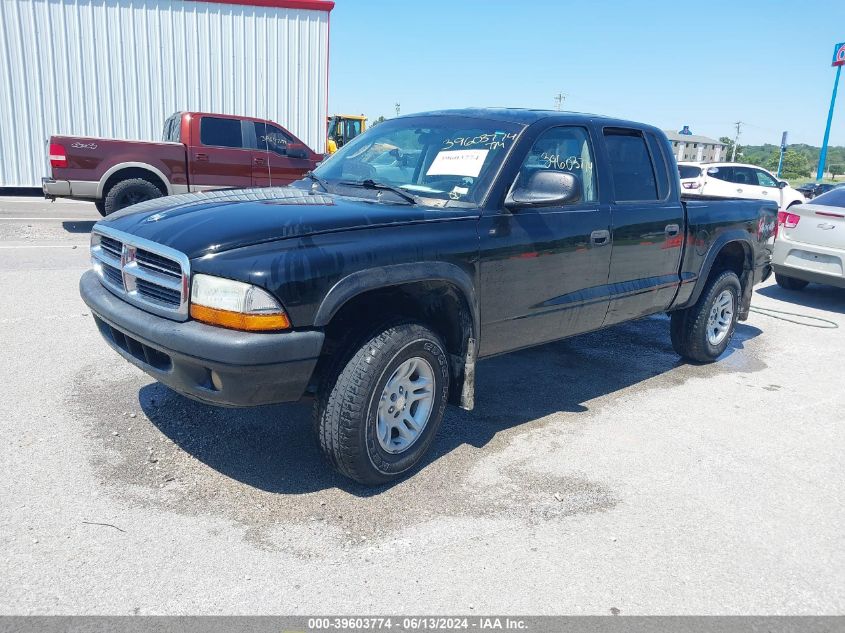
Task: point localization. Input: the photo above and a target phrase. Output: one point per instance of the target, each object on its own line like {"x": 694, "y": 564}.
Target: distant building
{"x": 692, "y": 147}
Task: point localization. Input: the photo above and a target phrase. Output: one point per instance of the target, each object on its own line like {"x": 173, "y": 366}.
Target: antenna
{"x": 397, "y": 106}
{"x": 559, "y": 99}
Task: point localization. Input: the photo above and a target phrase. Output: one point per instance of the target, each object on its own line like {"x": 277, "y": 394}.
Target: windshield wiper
{"x": 317, "y": 179}
{"x": 372, "y": 184}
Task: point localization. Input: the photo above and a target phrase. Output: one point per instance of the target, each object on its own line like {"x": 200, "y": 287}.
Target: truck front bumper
{"x": 206, "y": 363}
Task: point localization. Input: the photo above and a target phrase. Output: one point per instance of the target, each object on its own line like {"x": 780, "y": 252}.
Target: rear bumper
{"x": 816, "y": 264}
{"x": 53, "y": 188}
{"x": 203, "y": 362}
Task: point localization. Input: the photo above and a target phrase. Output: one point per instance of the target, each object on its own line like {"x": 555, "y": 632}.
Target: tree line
{"x": 799, "y": 160}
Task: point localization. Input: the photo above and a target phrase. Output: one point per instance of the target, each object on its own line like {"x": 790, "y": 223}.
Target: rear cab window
{"x": 220, "y": 132}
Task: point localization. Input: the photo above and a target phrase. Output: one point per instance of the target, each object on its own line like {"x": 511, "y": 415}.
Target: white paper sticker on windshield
{"x": 462, "y": 162}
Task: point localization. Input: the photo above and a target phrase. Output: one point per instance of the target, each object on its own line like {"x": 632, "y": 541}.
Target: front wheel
{"x": 377, "y": 414}
{"x": 703, "y": 331}
{"x": 790, "y": 283}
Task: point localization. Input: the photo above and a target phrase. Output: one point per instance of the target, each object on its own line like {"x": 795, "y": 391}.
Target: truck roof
{"x": 526, "y": 116}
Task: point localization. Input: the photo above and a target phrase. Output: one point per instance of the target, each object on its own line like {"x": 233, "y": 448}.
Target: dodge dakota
{"x": 198, "y": 151}
{"x": 376, "y": 283}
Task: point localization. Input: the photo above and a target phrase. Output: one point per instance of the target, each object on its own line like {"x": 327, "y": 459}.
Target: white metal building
{"x": 119, "y": 68}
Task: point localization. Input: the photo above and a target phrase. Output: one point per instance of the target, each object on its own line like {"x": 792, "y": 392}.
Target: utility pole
{"x": 738, "y": 125}
{"x": 396, "y": 105}
{"x": 559, "y": 99}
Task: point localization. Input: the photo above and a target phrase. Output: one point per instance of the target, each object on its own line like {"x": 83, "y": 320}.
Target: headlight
{"x": 236, "y": 305}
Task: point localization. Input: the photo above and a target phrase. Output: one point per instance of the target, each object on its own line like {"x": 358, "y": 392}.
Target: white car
{"x": 810, "y": 243}
{"x": 735, "y": 180}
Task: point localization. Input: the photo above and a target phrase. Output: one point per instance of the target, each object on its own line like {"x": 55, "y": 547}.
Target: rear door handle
{"x": 600, "y": 238}
{"x": 259, "y": 161}
{"x": 672, "y": 229}
{"x": 739, "y": 190}
{"x": 202, "y": 157}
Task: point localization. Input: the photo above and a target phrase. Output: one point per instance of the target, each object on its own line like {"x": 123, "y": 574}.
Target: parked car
{"x": 422, "y": 245}
{"x": 812, "y": 189}
{"x": 199, "y": 151}
{"x": 734, "y": 180}
{"x": 810, "y": 244}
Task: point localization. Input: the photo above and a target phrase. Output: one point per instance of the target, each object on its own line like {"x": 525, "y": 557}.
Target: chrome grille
{"x": 150, "y": 276}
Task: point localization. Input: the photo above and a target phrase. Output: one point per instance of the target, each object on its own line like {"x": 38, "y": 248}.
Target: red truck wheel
{"x": 129, "y": 192}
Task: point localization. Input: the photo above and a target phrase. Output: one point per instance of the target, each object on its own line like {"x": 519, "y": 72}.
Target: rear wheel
{"x": 378, "y": 413}
{"x": 790, "y": 283}
{"x": 703, "y": 331}
{"x": 129, "y": 192}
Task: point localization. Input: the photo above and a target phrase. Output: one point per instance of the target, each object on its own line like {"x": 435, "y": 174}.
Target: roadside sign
{"x": 839, "y": 55}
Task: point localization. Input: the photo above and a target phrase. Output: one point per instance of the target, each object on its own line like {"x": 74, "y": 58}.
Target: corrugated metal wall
{"x": 118, "y": 68}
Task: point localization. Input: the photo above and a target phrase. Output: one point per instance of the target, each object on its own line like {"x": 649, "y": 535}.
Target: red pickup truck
{"x": 198, "y": 151}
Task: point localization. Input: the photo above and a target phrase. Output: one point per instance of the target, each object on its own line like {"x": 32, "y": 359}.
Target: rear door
{"x": 647, "y": 223}
{"x": 718, "y": 181}
{"x": 271, "y": 164}
{"x": 221, "y": 158}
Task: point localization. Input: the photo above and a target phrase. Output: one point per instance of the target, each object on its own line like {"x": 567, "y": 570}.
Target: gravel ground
{"x": 597, "y": 474}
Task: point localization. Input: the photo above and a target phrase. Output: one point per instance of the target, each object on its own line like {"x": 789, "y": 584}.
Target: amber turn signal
{"x": 239, "y": 321}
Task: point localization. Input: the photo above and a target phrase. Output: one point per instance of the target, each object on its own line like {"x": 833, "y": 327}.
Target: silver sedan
{"x": 810, "y": 244}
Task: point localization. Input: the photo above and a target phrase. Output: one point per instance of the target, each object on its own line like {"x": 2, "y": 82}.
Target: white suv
{"x": 734, "y": 180}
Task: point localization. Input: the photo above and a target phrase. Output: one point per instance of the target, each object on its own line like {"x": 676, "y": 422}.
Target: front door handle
{"x": 600, "y": 238}
{"x": 672, "y": 230}
{"x": 739, "y": 190}
{"x": 201, "y": 156}
{"x": 259, "y": 161}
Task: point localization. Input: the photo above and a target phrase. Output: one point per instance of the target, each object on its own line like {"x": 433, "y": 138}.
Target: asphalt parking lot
{"x": 596, "y": 475}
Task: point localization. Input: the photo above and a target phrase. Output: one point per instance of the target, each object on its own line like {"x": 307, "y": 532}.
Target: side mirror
{"x": 296, "y": 150}
{"x": 546, "y": 188}
{"x": 782, "y": 184}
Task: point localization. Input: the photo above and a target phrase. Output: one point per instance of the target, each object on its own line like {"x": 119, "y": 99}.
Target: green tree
{"x": 375, "y": 122}
{"x": 729, "y": 148}
{"x": 795, "y": 165}
{"x": 836, "y": 168}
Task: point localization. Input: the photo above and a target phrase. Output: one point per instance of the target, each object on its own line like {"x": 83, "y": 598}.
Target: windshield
{"x": 442, "y": 160}
{"x": 688, "y": 171}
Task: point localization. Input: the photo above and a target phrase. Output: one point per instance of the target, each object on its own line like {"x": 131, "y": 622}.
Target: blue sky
{"x": 705, "y": 64}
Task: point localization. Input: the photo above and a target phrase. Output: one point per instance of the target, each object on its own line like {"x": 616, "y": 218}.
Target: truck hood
{"x": 211, "y": 222}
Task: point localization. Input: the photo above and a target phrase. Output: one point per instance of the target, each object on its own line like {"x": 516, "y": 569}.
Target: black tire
{"x": 689, "y": 327}
{"x": 790, "y": 283}
{"x": 346, "y": 410}
{"x": 101, "y": 206}
{"x": 129, "y": 192}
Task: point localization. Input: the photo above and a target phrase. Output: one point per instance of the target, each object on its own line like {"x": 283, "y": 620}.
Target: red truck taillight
{"x": 58, "y": 155}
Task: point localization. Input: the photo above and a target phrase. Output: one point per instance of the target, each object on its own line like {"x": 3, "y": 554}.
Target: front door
{"x": 271, "y": 164}
{"x": 543, "y": 271}
{"x": 648, "y": 226}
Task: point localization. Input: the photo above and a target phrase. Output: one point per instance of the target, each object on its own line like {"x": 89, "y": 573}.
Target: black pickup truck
{"x": 427, "y": 243}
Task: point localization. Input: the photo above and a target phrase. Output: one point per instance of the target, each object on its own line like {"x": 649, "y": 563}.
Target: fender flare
{"x": 736, "y": 235}
{"x": 116, "y": 168}
{"x": 362, "y": 281}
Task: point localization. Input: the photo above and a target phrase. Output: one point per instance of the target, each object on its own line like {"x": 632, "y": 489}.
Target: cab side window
{"x": 218, "y": 132}
{"x": 744, "y": 176}
{"x": 271, "y": 138}
{"x": 566, "y": 149}
{"x": 721, "y": 173}
{"x": 631, "y": 166}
